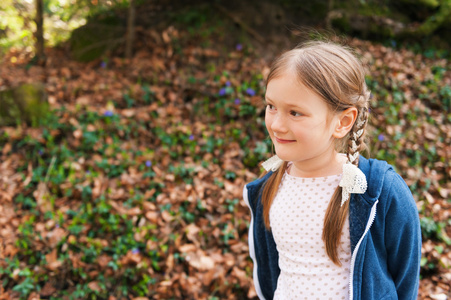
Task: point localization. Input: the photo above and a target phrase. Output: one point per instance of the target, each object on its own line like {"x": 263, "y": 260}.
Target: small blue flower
{"x": 250, "y": 92}
{"x": 135, "y": 251}
{"x": 103, "y": 64}
{"x": 41, "y": 152}
{"x": 239, "y": 47}
{"x": 108, "y": 113}
{"x": 381, "y": 137}
{"x": 237, "y": 101}
{"x": 228, "y": 83}
{"x": 222, "y": 92}
{"x": 57, "y": 225}
{"x": 148, "y": 163}
{"x": 191, "y": 137}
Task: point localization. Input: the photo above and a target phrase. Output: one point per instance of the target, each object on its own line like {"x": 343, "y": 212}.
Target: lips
{"x": 282, "y": 141}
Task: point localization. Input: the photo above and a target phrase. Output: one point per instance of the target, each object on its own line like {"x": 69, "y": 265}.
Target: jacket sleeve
{"x": 403, "y": 239}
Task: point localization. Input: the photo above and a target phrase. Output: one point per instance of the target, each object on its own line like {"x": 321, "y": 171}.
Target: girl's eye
{"x": 295, "y": 114}
{"x": 270, "y": 106}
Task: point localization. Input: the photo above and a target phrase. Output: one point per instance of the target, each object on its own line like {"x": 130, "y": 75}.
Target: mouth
{"x": 282, "y": 141}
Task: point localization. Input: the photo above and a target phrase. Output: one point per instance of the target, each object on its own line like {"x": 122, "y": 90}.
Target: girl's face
{"x": 299, "y": 122}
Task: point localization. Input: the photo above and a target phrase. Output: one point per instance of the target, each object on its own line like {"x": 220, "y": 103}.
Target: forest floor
{"x": 132, "y": 187}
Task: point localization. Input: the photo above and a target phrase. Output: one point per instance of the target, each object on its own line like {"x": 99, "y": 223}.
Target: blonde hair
{"x": 334, "y": 73}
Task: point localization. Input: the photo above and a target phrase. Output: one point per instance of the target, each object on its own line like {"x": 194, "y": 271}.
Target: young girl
{"x": 326, "y": 222}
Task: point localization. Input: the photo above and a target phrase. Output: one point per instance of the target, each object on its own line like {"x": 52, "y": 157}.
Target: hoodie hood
{"x": 375, "y": 171}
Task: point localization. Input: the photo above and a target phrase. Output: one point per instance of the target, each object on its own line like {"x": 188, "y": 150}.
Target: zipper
{"x": 354, "y": 255}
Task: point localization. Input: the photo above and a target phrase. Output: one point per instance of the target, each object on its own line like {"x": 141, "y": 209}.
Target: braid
{"x": 356, "y": 141}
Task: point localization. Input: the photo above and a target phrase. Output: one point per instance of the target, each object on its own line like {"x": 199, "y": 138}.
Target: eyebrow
{"x": 289, "y": 105}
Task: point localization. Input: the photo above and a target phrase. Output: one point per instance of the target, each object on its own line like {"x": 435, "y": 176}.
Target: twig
{"x": 50, "y": 168}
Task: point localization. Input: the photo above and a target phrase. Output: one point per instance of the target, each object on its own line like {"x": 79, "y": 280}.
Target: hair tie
{"x": 352, "y": 182}
{"x": 272, "y": 164}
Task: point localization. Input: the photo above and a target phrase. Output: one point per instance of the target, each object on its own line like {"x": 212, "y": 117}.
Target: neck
{"x": 324, "y": 165}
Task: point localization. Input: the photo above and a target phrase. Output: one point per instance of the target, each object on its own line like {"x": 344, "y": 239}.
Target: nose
{"x": 278, "y": 124}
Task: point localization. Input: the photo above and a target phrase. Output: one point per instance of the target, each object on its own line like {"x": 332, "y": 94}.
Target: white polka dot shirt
{"x": 297, "y": 220}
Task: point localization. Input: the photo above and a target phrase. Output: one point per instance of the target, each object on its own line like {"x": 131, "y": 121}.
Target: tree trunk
{"x": 130, "y": 30}
{"x": 39, "y": 19}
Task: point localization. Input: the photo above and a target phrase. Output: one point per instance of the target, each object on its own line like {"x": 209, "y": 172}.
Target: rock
{"x": 25, "y": 103}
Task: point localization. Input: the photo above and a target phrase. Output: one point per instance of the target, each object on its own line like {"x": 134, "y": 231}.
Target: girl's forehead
{"x": 290, "y": 77}
{"x": 287, "y": 83}
{"x": 290, "y": 92}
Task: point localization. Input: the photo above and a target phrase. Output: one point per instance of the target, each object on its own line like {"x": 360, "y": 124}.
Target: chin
{"x": 283, "y": 156}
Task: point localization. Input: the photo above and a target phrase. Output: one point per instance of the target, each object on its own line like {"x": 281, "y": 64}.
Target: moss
{"x": 10, "y": 112}
{"x": 427, "y": 3}
{"x": 25, "y": 103}
{"x": 442, "y": 17}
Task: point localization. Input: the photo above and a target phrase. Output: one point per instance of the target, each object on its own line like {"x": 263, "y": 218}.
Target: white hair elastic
{"x": 352, "y": 182}
{"x": 272, "y": 164}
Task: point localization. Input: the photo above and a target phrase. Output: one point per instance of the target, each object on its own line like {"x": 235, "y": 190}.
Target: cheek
{"x": 268, "y": 121}
{"x": 303, "y": 134}
{"x": 308, "y": 133}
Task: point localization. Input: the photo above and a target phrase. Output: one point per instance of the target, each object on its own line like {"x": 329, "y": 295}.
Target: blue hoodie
{"x": 385, "y": 238}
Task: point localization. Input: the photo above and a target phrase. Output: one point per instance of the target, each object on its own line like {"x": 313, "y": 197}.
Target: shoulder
{"x": 397, "y": 196}
{"x": 252, "y": 189}
{"x": 259, "y": 182}
{"x": 387, "y": 186}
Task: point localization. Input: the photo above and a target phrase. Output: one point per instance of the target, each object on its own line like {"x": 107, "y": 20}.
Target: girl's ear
{"x": 345, "y": 122}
